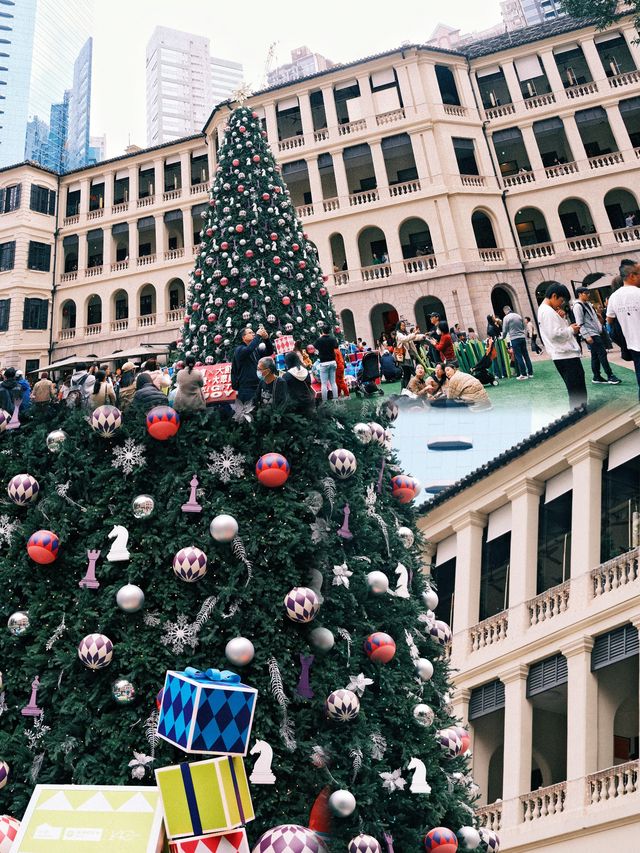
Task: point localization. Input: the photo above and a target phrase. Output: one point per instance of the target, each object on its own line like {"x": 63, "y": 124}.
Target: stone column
{"x": 582, "y": 723}
{"x": 575, "y": 140}
{"x": 315, "y": 182}
{"x": 271, "y": 121}
{"x": 469, "y": 528}
{"x": 83, "y": 254}
{"x": 523, "y": 559}
{"x": 161, "y": 236}
{"x": 185, "y": 172}
{"x": 631, "y": 36}
{"x": 329, "y": 107}
{"x": 432, "y": 87}
{"x": 187, "y": 232}
{"x": 107, "y": 248}
{"x": 460, "y": 702}
{"x": 306, "y": 117}
{"x": 380, "y": 168}
{"x": 553, "y": 75}
{"x": 593, "y": 60}
{"x": 85, "y": 186}
{"x": 586, "y": 463}
{"x": 366, "y": 98}
{"x": 533, "y": 152}
{"x": 134, "y": 246}
{"x": 512, "y": 81}
{"x": 465, "y": 90}
{"x": 108, "y": 191}
{"x": 420, "y": 156}
{"x": 133, "y": 184}
{"x": 619, "y": 129}
{"x": 342, "y": 185}
{"x": 158, "y": 178}
{"x": 411, "y": 89}
{"x": 518, "y": 742}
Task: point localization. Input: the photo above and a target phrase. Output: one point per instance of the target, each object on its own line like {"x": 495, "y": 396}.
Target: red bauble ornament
{"x": 277, "y": 189}
{"x": 248, "y": 253}
{"x": 273, "y": 236}
{"x": 224, "y": 281}
{"x": 256, "y": 158}
{"x": 323, "y": 291}
{"x": 307, "y": 307}
{"x": 209, "y": 232}
{"x": 263, "y": 134}
{"x": 240, "y": 188}
{"x": 295, "y": 247}
{"x": 217, "y": 339}
{"x": 43, "y": 546}
{"x": 253, "y": 282}
{"x": 235, "y": 162}
{"x": 405, "y": 489}
{"x": 265, "y": 196}
{"x": 325, "y": 278}
{"x": 163, "y": 422}
{"x": 159, "y": 698}
{"x": 272, "y": 470}
{"x": 186, "y": 320}
{"x": 286, "y": 300}
{"x": 242, "y": 129}
{"x": 239, "y": 228}
{"x": 198, "y": 272}
{"x": 276, "y": 260}
{"x": 302, "y": 264}
{"x": 212, "y": 318}
{"x": 441, "y": 840}
{"x": 254, "y": 115}
{"x": 224, "y": 245}
{"x": 380, "y": 647}
{"x": 231, "y": 303}
{"x": 196, "y": 306}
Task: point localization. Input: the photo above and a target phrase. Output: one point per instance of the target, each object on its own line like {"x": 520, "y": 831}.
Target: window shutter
{"x": 52, "y": 202}
{"x": 3, "y": 195}
{"x": 486, "y": 699}
{"x": 43, "y": 314}
{"x": 547, "y": 674}
{"x": 614, "y": 646}
{"x": 5, "y": 308}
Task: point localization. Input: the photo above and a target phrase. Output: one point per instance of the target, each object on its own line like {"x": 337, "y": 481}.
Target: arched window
{"x": 483, "y": 230}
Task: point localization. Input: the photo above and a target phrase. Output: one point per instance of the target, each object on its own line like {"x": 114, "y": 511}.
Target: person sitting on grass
{"x": 417, "y": 385}
{"x": 466, "y": 388}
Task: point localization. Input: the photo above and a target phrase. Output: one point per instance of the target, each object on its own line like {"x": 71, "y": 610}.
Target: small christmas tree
{"x": 255, "y": 265}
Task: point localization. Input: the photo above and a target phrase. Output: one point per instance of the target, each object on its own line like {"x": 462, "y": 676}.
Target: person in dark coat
{"x": 10, "y": 390}
{"x": 300, "y": 394}
{"x": 389, "y": 368}
{"x": 245, "y": 362}
{"x": 271, "y": 390}
{"x": 147, "y": 395}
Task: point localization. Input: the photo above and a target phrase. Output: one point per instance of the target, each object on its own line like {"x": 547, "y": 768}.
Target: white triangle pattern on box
{"x": 138, "y": 803}
{"x": 57, "y": 803}
{"x": 97, "y": 803}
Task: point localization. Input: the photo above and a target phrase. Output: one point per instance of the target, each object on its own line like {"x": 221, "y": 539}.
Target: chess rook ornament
{"x": 342, "y": 463}
{"x": 239, "y": 651}
{"x": 301, "y": 604}
{"x": 106, "y": 420}
{"x": 130, "y": 598}
{"x": 224, "y": 528}
{"x": 95, "y": 651}
{"x": 190, "y": 564}
{"x": 43, "y": 547}
{"x": 23, "y": 489}
{"x": 342, "y": 803}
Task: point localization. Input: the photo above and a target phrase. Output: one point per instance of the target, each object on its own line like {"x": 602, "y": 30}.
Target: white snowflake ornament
{"x": 227, "y": 464}
{"x": 7, "y": 529}
{"x": 129, "y": 457}
{"x": 179, "y": 634}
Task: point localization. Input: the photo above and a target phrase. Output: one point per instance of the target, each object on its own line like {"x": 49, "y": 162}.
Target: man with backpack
{"x": 591, "y": 332}
{"x": 10, "y": 391}
{"x": 82, "y": 383}
{"x": 244, "y": 366}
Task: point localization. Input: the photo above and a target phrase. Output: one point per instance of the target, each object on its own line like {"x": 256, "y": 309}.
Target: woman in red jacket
{"x": 444, "y": 344}
{"x": 343, "y": 388}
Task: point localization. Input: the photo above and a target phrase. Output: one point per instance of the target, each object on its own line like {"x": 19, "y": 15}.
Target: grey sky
{"x": 339, "y": 29}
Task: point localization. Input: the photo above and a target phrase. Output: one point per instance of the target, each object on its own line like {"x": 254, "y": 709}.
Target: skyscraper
{"x": 78, "y": 139}
{"x": 184, "y": 83}
{"x": 40, "y": 40}
{"x": 303, "y": 63}
{"x": 525, "y": 13}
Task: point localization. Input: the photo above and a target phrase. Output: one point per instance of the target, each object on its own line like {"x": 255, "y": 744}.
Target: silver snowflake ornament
{"x": 7, "y": 529}
{"x": 227, "y": 464}
{"x": 179, "y": 634}
{"x": 129, "y": 457}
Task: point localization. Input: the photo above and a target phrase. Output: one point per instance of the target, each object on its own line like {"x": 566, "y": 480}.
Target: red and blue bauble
{"x": 163, "y": 422}
{"x": 463, "y": 734}
{"x": 272, "y": 470}
{"x": 380, "y": 647}
{"x": 441, "y": 839}
{"x": 43, "y": 546}
{"x": 404, "y": 488}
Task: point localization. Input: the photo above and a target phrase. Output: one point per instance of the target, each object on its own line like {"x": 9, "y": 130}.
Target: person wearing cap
{"x": 591, "y": 331}
{"x": 127, "y": 385}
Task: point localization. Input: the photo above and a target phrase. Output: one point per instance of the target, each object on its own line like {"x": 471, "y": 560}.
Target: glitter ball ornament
{"x": 301, "y": 604}
{"x": 55, "y": 440}
{"x": 23, "y": 489}
{"x": 163, "y": 422}
{"x": 406, "y": 536}
{"x": 43, "y": 546}
{"x": 364, "y": 844}
{"x": 405, "y": 489}
{"x": 9, "y": 827}
{"x": 489, "y": 841}
{"x": 142, "y": 506}
{"x": 105, "y": 420}
{"x": 223, "y": 528}
{"x": 343, "y": 463}
{"x": 95, "y": 651}
{"x": 363, "y": 433}
{"x": 342, "y": 706}
{"x": 272, "y": 470}
{"x": 469, "y": 837}
{"x": 442, "y": 840}
{"x": 18, "y": 623}
{"x": 424, "y": 668}
{"x": 450, "y": 742}
{"x": 378, "y": 582}
{"x": 239, "y": 651}
{"x": 322, "y": 639}
{"x": 190, "y": 564}
{"x": 380, "y": 647}
{"x": 342, "y": 803}
{"x": 4, "y": 773}
{"x": 130, "y": 598}
{"x": 440, "y": 632}
{"x": 423, "y": 714}
{"x": 377, "y": 433}
{"x": 123, "y": 691}
{"x": 290, "y": 838}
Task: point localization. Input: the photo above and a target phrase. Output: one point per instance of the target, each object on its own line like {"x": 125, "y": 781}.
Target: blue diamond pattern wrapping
{"x": 206, "y": 717}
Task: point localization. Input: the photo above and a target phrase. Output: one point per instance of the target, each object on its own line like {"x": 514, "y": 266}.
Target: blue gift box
{"x": 207, "y": 712}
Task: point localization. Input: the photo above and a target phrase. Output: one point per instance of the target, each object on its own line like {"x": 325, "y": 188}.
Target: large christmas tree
{"x": 255, "y": 264}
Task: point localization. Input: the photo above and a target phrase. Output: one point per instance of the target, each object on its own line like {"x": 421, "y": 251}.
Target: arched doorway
{"x": 94, "y": 310}
{"x": 541, "y": 290}
{"x": 483, "y": 230}
{"x": 338, "y": 253}
{"x": 384, "y": 318}
{"x": 372, "y": 246}
{"x": 348, "y": 325}
{"x": 68, "y": 314}
{"x": 415, "y": 238}
{"x": 494, "y": 783}
{"x": 176, "y": 294}
{"x": 147, "y": 300}
{"x": 424, "y": 308}
{"x": 501, "y": 296}
{"x": 622, "y": 209}
{"x": 120, "y": 305}
{"x": 575, "y": 217}
{"x": 531, "y": 226}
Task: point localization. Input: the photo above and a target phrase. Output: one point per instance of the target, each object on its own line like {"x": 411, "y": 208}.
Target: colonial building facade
{"x": 428, "y": 180}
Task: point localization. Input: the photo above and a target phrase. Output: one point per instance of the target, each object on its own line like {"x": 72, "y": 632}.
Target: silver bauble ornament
{"x": 378, "y": 582}
{"x": 123, "y": 691}
{"x": 142, "y": 506}
{"x": 223, "y": 528}
{"x": 424, "y": 668}
{"x": 322, "y": 639}
{"x": 239, "y": 651}
{"x": 406, "y": 536}
{"x": 55, "y": 440}
{"x": 423, "y": 714}
{"x": 130, "y": 598}
{"x": 363, "y": 433}
{"x": 342, "y": 803}
{"x": 430, "y": 598}
{"x": 18, "y": 623}
{"x": 469, "y": 837}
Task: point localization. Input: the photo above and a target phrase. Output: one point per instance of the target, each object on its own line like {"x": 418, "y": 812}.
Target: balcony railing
{"x": 66, "y": 334}
{"x": 120, "y": 325}
{"x": 68, "y": 276}
{"x": 584, "y": 243}
{"x": 615, "y": 573}
{"x": 390, "y": 117}
{"x": 422, "y": 264}
{"x": 538, "y": 250}
{"x": 173, "y": 254}
{"x": 365, "y": 197}
{"x": 603, "y": 160}
{"x": 491, "y": 256}
{"x": 352, "y": 127}
{"x": 454, "y": 110}
{"x": 290, "y": 143}
{"x": 548, "y": 604}
{"x": 71, "y": 220}
{"x": 330, "y": 204}
{"x": 145, "y": 260}
{"x": 518, "y": 179}
{"x": 93, "y": 330}
{"x": 146, "y": 202}
{"x": 321, "y": 135}
{"x": 376, "y": 272}
{"x": 490, "y": 816}
{"x": 405, "y": 188}
{"x": 175, "y": 315}
{"x": 92, "y": 272}
{"x": 543, "y": 802}
{"x": 489, "y": 631}
{"x": 171, "y": 195}
{"x": 197, "y": 189}
{"x": 304, "y": 210}
{"x": 340, "y": 278}
{"x": 499, "y": 111}
{"x": 121, "y": 207}
{"x": 539, "y": 101}
{"x": 624, "y": 79}
{"x": 119, "y": 266}
{"x": 146, "y": 320}
{"x": 472, "y": 181}
{"x": 581, "y": 90}
{"x": 561, "y": 169}
{"x": 95, "y": 214}
{"x": 613, "y": 783}
{"x": 627, "y": 235}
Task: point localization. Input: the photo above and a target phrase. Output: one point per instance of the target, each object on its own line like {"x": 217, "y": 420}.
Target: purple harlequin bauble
{"x": 441, "y": 839}
{"x": 43, "y": 546}
{"x": 4, "y": 773}
{"x": 450, "y": 742}
{"x": 272, "y": 470}
{"x": 105, "y": 420}
{"x": 342, "y": 706}
{"x": 489, "y": 841}
{"x": 364, "y": 844}
{"x": 463, "y": 734}
{"x": 290, "y": 838}
{"x": 23, "y": 489}
{"x": 405, "y": 489}
{"x": 5, "y": 417}
{"x": 95, "y": 651}
{"x": 378, "y": 433}
{"x": 301, "y": 604}
{"x": 163, "y": 422}
{"x": 9, "y": 827}
{"x": 380, "y": 647}
{"x": 343, "y": 463}
{"x": 190, "y": 564}
{"x": 440, "y": 632}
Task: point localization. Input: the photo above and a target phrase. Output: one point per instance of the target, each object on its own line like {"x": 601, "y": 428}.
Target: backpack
{"x": 78, "y": 396}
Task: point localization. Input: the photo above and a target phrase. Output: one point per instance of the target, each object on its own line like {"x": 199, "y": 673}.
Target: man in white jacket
{"x": 559, "y": 338}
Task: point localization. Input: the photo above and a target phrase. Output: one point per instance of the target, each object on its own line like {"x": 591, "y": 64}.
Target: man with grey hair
{"x": 244, "y": 378}
{"x": 272, "y": 389}
{"x": 623, "y": 313}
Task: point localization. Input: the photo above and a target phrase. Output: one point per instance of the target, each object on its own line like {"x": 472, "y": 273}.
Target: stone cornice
{"x": 470, "y": 518}
{"x": 527, "y": 486}
{"x": 518, "y": 672}
{"x": 586, "y": 449}
{"x": 577, "y": 646}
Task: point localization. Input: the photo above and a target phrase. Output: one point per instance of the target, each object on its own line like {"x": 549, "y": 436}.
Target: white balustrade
{"x": 197, "y": 189}
{"x": 424, "y": 263}
{"x": 93, "y": 330}
{"x": 340, "y": 278}
{"x": 499, "y": 111}
{"x": 121, "y": 207}
{"x": 176, "y": 315}
{"x": 290, "y": 143}
{"x": 365, "y": 197}
{"x": 390, "y": 117}
{"x": 145, "y": 260}
{"x": 304, "y": 210}
{"x": 490, "y": 817}
{"x": 66, "y": 334}
{"x": 518, "y": 179}
{"x": 613, "y": 783}
{"x": 539, "y": 101}
{"x": 560, "y": 169}
{"x": 118, "y": 266}
{"x": 375, "y": 272}
{"x": 491, "y": 256}
{"x": 405, "y": 188}
{"x": 174, "y": 254}
{"x": 489, "y": 631}
{"x": 454, "y": 110}
{"x": 582, "y": 89}
{"x": 615, "y": 573}
{"x": 548, "y": 604}
{"x": 627, "y": 235}
{"x": 120, "y": 325}
{"x": 95, "y": 214}
{"x": 146, "y": 202}
{"x": 544, "y": 802}
{"x": 473, "y": 180}
{"x": 146, "y": 320}
{"x": 538, "y": 250}
{"x": 92, "y": 272}
{"x": 330, "y": 204}
{"x": 624, "y": 79}
{"x": 352, "y": 127}
{"x": 321, "y": 135}
{"x": 71, "y": 220}
{"x": 171, "y": 195}
{"x": 603, "y": 160}
{"x": 584, "y": 243}
{"x": 69, "y": 276}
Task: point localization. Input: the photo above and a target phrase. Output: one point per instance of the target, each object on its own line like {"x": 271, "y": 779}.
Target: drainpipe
{"x": 503, "y": 196}
{"x": 53, "y": 274}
